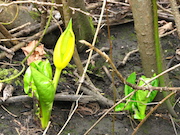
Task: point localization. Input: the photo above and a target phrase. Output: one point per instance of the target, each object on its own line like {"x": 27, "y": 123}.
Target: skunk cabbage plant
{"x": 137, "y": 103}
{"x": 38, "y": 81}
{"x": 63, "y": 51}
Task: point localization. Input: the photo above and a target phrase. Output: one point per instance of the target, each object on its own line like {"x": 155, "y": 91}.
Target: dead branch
{"x": 108, "y": 112}
{"x": 58, "y": 97}
{"x": 101, "y": 99}
{"x": 33, "y": 2}
{"x": 27, "y": 30}
{"x": 168, "y": 33}
{"x": 175, "y": 11}
{"x": 13, "y": 49}
{"x": 103, "y": 49}
{"x": 6, "y": 50}
{"x": 36, "y": 36}
{"x": 122, "y": 78}
{"x": 19, "y": 28}
{"x": 8, "y": 44}
{"x": 6, "y": 34}
{"x": 122, "y": 63}
{"x": 164, "y": 9}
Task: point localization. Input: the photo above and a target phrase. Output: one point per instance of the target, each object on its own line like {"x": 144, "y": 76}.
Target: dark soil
{"x": 124, "y": 40}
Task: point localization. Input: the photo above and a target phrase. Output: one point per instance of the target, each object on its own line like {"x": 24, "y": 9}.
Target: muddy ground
{"x": 124, "y": 40}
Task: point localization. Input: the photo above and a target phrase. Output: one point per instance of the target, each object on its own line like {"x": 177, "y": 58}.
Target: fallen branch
{"x": 58, "y": 97}
{"x": 108, "y": 112}
{"x": 101, "y": 99}
{"x": 35, "y": 36}
{"x": 127, "y": 83}
{"x": 33, "y": 2}
{"x": 122, "y": 63}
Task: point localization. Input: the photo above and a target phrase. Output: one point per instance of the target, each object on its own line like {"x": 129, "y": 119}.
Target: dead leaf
{"x": 38, "y": 54}
{"x": 1, "y": 86}
{"x": 7, "y": 92}
{"x": 178, "y": 54}
{"x": 165, "y": 28}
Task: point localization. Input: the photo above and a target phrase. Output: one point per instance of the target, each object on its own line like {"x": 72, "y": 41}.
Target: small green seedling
{"x": 38, "y": 81}
{"x": 137, "y": 103}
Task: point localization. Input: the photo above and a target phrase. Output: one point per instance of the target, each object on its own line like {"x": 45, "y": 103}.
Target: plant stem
{"x": 159, "y": 59}
{"x": 56, "y": 77}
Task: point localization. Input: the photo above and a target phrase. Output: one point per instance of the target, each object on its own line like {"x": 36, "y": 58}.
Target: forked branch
{"x": 123, "y": 79}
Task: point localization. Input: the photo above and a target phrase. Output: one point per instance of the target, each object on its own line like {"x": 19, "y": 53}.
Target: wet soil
{"x": 20, "y": 120}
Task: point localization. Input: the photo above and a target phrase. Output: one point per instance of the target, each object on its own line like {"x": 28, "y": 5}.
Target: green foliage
{"x": 137, "y": 102}
{"x": 46, "y": 93}
{"x": 42, "y": 66}
{"x": 8, "y": 73}
{"x": 38, "y": 81}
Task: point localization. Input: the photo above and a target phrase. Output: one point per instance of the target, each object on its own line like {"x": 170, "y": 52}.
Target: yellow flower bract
{"x": 64, "y": 48}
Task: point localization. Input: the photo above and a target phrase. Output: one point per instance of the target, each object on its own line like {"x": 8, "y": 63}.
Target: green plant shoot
{"x": 38, "y": 81}
{"x": 138, "y": 102}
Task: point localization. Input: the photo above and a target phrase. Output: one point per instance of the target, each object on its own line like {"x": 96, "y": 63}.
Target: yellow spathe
{"x": 64, "y": 48}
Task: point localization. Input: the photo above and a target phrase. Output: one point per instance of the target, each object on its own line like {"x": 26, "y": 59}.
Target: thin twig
{"x": 45, "y": 131}
{"x": 33, "y": 2}
{"x": 6, "y": 50}
{"x": 81, "y": 80}
{"x": 126, "y": 57}
{"x": 11, "y": 39}
{"x": 93, "y": 43}
{"x": 164, "y": 9}
{"x": 8, "y": 111}
{"x": 119, "y": 75}
{"x": 173, "y": 124}
{"x": 108, "y": 112}
{"x": 70, "y": 116}
{"x": 19, "y": 27}
{"x": 168, "y": 33}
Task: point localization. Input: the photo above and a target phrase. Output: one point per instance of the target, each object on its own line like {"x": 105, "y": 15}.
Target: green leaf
{"x": 123, "y": 106}
{"x": 142, "y": 98}
{"x": 153, "y": 94}
{"x": 44, "y": 67}
{"x": 47, "y": 70}
{"x": 29, "y": 87}
{"x": 131, "y": 79}
{"x": 128, "y": 90}
{"x": 46, "y": 92}
{"x": 28, "y": 82}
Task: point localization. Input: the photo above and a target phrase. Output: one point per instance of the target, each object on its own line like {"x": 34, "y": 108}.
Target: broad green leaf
{"x": 64, "y": 48}
{"x": 46, "y": 92}
{"x": 27, "y": 82}
{"x": 153, "y": 94}
{"x": 44, "y": 86}
{"x": 128, "y": 90}
{"x": 123, "y": 106}
{"x": 137, "y": 113}
{"x": 44, "y": 67}
{"x": 47, "y": 70}
{"x": 142, "y": 98}
{"x": 131, "y": 79}
{"x": 29, "y": 87}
